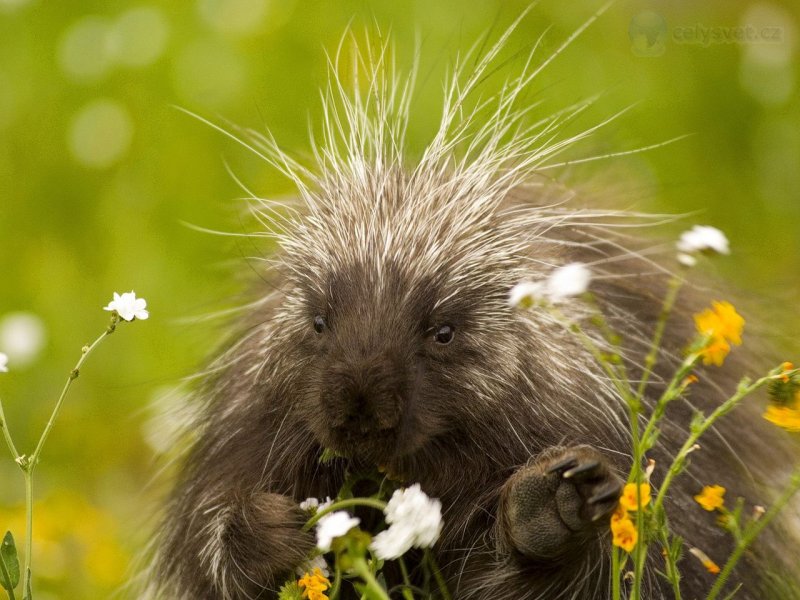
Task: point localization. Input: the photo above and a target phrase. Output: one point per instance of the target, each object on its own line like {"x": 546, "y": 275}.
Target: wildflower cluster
{"x": 624, "y": 532}
{"x": 357, "y": 557}
{"x": 314, "y": 585}
{"x": 641, "y": 520}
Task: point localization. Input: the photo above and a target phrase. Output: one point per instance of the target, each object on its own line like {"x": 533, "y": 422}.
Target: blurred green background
{"x": 98, "y": 173}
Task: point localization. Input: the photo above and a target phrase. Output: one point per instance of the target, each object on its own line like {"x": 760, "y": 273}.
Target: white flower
{"x": 3, "y": 363}
{"x": 414, "y": 519}
{"x": 702, "y": 238}
{"x": 314, "y": 505}
{"x": 318, "y": 562}
{"x": 332, "y": 526}
{"x": 570, "y": 280}
{"x": 526, "y": 293}
{"x": 128, "y": 306}
{"x": 687, "y": 260}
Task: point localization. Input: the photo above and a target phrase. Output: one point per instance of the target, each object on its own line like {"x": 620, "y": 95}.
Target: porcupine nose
{"x": 368, "y": 398}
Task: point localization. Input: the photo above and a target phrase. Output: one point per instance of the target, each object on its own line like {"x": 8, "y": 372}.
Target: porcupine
{"x": 387, "y": 336}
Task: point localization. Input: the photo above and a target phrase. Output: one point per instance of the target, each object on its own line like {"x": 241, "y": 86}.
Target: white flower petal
{"x": 128, "y": 306}
{"x": 526, "y": 292}
{"x": 414, "y": 519}
{"x": 392, "y": 543}
{"x": 3, "y": 363}
{"x": 333, "y": 526}
{"x": 703, "y": 238}
{"x": 570, "y": 280}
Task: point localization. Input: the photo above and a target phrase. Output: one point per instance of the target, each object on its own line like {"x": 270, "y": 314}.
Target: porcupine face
{"x": 404, "y": 343}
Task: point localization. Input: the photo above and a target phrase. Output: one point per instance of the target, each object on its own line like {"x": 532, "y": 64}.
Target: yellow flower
{"x": 628, "y": 499}
{"x": 709, "y": 564}
{"x": 315, "y": 585}
{"x": 784, "y": 416}
{"x": 724, "y": 327}
{"x": 624, "y": 533}
{"x": 711, "y": 497}
{"x": 787, "y": 366}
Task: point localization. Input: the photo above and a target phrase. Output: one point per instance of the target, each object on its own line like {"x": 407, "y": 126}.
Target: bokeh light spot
{"x": 22, "y": 337}
{"x": 766, "y": 71}
{"x": 209, "y": 73}
{"x": 139, "y": 36}
{"x": 11, "y": 5}
{"x": 100, "y": 133}
{"x": 84, "y": 49}
{"x": 233, "y": 16}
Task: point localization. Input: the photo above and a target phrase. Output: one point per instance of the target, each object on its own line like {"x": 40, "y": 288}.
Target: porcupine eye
{"x": 444, "y": 335}
{"x": 319, "y": 324}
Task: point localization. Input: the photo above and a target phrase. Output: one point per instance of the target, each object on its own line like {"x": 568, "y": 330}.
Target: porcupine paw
{"x": 552, "y": 505}
{"x": 265, "y": 542}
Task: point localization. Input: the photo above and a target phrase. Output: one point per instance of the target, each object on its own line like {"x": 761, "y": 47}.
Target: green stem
{"x": 337, "y": 583}
{"x": 341, "y": 504}
{"x": 34, "y": 458}
{"x": 28, "y": 529}
{"x": 698, "y": 430}
{"x": 640, "y": 552}
{"x": 675, "y": 284}
{"x": 675, "y": 388}
{"x": 673, "y": 574}
{"x": 407, "y": 594}
{"x": 7, "y": 434}
{"x": 362, "y": 569}
{"x": 616, "y": 378}
{"x": 616, "y": 594}
{"x": 752, "y": 531}
{"x": 437, "y": 574}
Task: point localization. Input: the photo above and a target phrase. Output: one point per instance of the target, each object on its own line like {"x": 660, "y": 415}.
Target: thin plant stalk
{"x": 407, "y": 594}
{"x": 616, "y": 593}
{"x": 437, "y": 574}
{"x": 7, "y": 434}
{"x": 28, "y": 463}
{"x": 702, "y": 426}
{"x": 674, "y": 286}
{"x": 376, "y": 591}
{"x": 752, "y": 531}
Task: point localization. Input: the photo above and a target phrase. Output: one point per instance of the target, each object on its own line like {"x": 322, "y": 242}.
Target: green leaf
{"x": 290, "y": 591}
{"x": 10, "y": 563}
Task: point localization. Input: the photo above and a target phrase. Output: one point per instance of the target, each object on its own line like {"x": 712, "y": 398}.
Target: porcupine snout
{"x": 365, "y": 394}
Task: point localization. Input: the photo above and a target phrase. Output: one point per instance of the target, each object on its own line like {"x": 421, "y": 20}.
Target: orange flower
{"x": 628, "y": 499}
{"x": 724, "y": 327}
{"x": 315, "y": 585}
{"x": 709, "y": 564}
{"x": 624, "y": 533}
{"x": 784, "y": 416}
{"x": 711, "y": 497}
{"x": 619, "y": 514}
